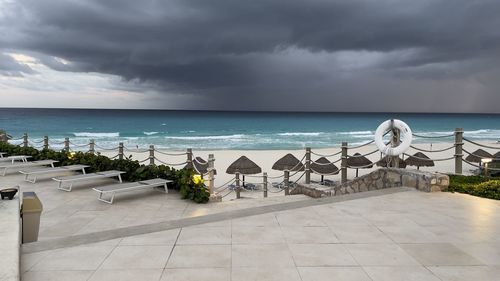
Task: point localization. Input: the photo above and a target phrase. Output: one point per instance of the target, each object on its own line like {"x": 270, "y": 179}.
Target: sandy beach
{"x": 266, "y": 158}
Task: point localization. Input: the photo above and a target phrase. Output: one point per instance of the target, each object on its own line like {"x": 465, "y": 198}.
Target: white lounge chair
{"x": 51, "y": 170}
{"x": 2, "y": 154}
{"x": 22, "y": 158}
{"x": 130, "y": 186}
{"x": 21, "y": 165}
{"x": 85, "y": 177}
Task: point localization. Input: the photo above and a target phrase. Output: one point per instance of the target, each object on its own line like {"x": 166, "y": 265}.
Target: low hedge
{"x": 134, "y": 171}
{"x": 485, "y": 187}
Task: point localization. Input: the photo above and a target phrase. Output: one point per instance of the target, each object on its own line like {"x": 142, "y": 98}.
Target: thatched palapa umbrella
{"x": 323, "y": 167}
{"x": 384, "y": 162}
{"x": 477, "y": 155}
{"x": 244, "y": 166}
{"x": 496, "y": 157}
{"x": 359, "y": 162}
{"x": 420, "y": 160}
{"x": 288, "y": 163}
{"x": 200, "y": 166}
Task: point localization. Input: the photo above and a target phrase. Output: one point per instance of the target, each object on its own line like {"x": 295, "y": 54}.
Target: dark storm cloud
{"x": 10, "y": 67}
{"x": 275, "y": 54}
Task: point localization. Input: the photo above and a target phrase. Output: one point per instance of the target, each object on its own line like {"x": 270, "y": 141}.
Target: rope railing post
{"x": 264, "y": 184}
{"x": 66, "y": 144}
{"x": 190, "y": 157}
{"x": 25, "y": 140}
{"x": 459, "y": 132}
{"x": 210, "y": 169}
{"x": 92, "y": 147}
{"x": 343, "y": 163}
{"x": 151, "y": 154}
{"x": 238, "y": 195}
{"x": 120, "y": 151}
{"x": 46, "y": 142}
{"x": 286, "y": 178}
{"x": 308, "y": 165}
{"x": 395, "y": 141}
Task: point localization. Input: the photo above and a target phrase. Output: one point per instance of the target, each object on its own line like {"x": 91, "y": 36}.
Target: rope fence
{"x": 434, "y": 150}
{"x": 433, "y": 137}
{"x": 481, "y": 145}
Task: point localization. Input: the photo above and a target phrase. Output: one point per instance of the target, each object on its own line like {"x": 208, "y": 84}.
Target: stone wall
{"x": 10, "y": 237}
{"x": 379, "y": 179}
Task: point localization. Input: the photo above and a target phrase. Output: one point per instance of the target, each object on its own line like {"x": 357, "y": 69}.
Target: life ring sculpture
{"x": 405, "y": 132}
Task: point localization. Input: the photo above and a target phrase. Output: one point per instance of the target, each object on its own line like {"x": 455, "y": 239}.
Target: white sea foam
{"x": 150, "y": 133}
{"x": 96, "y": 135}
{"x": 227, "y": 137}
{"x": 300, "y": 134}
{"x": 357, "y": 133}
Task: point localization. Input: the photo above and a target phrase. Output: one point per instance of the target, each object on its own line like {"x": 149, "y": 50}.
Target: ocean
{"x": 209, "y": 130}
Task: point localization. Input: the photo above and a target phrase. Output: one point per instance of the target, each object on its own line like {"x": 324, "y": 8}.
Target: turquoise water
{"x": 178, "y": 130}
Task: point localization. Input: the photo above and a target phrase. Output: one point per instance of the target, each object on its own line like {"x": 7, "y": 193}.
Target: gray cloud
{"x": 10, "y": 67}
{"x": 276, "y": 54}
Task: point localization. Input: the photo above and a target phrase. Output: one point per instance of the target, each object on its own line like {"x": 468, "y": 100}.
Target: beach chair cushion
{"x": 131, "y": 186}
{"x": 55, "y": 169}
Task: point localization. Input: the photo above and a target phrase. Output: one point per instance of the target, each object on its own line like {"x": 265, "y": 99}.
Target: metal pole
{"x": 46, "y": 142}
{"x": 343, "y": 163}
{"x": 264, "y": 185}
{"x": 308, "y": 165}
{"x": 66, "y": 144}
{"x": 395, "y": 142}
{"x": 151, "y": 155}
{"x": 287, "y": 182}
{"x": 459, "y": 132}
{"x": 237, "y": 185}
{"x": 92, "y": 147}
{"x": 25, "y": 140}
{"x": 120, "y": 151}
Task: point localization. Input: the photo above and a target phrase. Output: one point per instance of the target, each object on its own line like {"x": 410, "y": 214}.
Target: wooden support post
{"x": 151, "y": 155}
{"x": 264, "y": 184}
{"x": 25, "y": 140}
{"x": 343, "y": 163}
{"x": 286, "y": 180}
{"x": 92, "y": 147}
{"x": 395, "y": 141}
{"x": 459, "y": 132}
{"x": 308, "y": 165}
{"x": 190, "y": 158}
{"x": 210, "y": 169}
{"x": 46, "y": 142}
{"x": 238, "y": 196}
{"x": 120, "y": 151}
{"x": 66, "y": 144}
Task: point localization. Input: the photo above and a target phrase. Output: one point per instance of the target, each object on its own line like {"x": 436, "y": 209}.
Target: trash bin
{"x": 30, "y": 211}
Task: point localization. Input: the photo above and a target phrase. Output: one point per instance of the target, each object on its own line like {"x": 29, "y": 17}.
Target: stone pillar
{"x": 286, "y": 182}
{"x": 120, "y": 151}
{"x": 308, "y": 165}
{"x": 25, "y": 140}
{"x": 237, "y": 175}
{"x": 151, "y": 155}
{"x": 190, "y": 157}
{"x": 92, "y": 147}
{"x": 264, "y": 184}
{"x": 46, "y": 142}
{"x": 66, "y": 144}
{"x": 343, "y": 163}
{"x": 459, "y": 132}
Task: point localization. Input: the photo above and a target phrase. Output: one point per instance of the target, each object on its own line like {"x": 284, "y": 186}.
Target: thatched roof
{"x": 330, "y": 168}
{"x": 288, "y": 162}
{"x": 420, "y": 160}
{"x": 354, "y": 162}
{"x": 383, "y": 162}
{"x": 200, "y": 164}
{"x": 244, "y": 166}
{"x": 477, "y": 155}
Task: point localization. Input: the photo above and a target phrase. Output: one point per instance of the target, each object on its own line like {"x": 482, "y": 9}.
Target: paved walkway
{"x": 406, "y": 235}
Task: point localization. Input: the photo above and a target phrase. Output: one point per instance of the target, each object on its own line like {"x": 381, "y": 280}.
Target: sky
{"x": 273, "y": 55}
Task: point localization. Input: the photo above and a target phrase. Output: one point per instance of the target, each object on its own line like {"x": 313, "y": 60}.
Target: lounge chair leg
{"x": 120, "y": 178}
{"x": 4, "y": 171}
{"x": 104, "y": 200}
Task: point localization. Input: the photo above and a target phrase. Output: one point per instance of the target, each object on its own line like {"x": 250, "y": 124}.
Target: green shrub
{"x": 134, "y": 171}
{"x": 475, "y": 185}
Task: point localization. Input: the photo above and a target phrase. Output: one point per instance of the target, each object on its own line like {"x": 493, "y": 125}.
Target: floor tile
{"x": 193, "y": 256}
{"x": 308, "y": 234}
{"x": 257, "y": 235}
{"x": 137, "y": 257}
{"x": 321, "y": 255}
{"x": 466, "y": 273}
{"x": 359, "y": 234}
{"x": 333, "y": 273}
{"x": 439, "y": 254}
{"x": 126, "y": 275}
{"x": 57, "y": 275}
{"x": 380, "y": 254}
{"x": 204, "y": 236}
{"x": 487, "y": 253}
{"x": 400, "y": 273}
{"x": 76, "y": 258}
{"x": 196, "y": 274}
{"x": 266, "y": 255}
{"x": 265, "y": 274}
{"x": 156, "y": 238}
